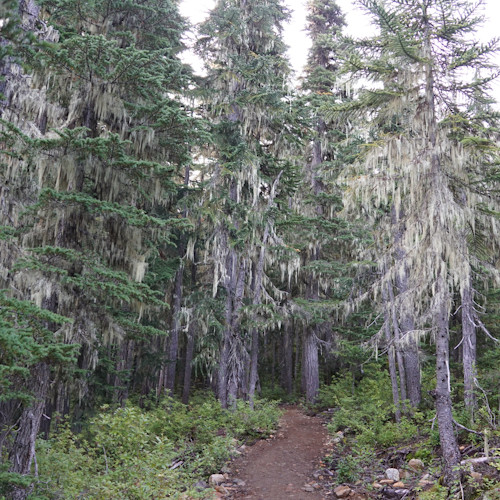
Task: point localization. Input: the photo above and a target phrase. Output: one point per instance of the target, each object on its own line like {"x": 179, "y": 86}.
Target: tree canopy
{"x": 243, "y": 232}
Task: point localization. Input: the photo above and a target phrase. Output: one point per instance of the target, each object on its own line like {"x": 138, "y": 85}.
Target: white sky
{"x": 358, "y": 25}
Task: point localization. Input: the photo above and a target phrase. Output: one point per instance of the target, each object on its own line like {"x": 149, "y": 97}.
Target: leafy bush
{"x": 139, "y": 454}
{"x": 349, "y": 463}
{"x": 368, "y": 412}
{"x": 348, "y": 469}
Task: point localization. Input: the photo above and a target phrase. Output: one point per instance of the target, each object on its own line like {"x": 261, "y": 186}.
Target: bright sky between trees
{"x": 358, "y": 25}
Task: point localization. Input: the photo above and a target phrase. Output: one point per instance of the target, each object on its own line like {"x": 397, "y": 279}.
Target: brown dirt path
{"x": 279, "y": 468}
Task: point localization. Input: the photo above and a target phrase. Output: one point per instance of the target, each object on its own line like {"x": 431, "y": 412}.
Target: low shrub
{"x": 141, "y": 454}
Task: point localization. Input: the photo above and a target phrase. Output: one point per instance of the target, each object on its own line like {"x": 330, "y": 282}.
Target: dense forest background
{"x": 164, "y": 235}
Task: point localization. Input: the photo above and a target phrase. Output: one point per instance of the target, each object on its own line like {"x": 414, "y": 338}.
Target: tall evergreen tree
{"x": 325, "y": 22}
{"x": 246, "y": 84}
{"x": 426, "y": 62}
{"x": 95, "y": 134}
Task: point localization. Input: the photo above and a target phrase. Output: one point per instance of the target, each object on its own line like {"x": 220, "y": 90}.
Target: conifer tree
{"x": 320, "y": 199}
{"x": 94, "y": 135}
{"x": 426, "y": 62}
{"x": 246, "y": 83}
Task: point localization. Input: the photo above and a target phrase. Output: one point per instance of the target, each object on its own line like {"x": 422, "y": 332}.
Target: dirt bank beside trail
{"x": 281, "y": 468}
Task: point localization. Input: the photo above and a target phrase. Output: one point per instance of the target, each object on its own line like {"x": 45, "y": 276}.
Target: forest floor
{"x": 288, "y": 464}
{"x": 282, "y": 466}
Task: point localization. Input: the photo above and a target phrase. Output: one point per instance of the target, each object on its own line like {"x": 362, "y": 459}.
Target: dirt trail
{"x": 278, "y": 469}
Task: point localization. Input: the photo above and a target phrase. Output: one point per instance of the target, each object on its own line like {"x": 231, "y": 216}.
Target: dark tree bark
{"x": 190, "y": 345}
{"x": 448, "y": 441}
{"x": 391, "y": 354}
{"x": 287, "y": 359}
{"x": 407, "y": 345}
{"x": 310, "y": 358}
{"x": 238, "y": 353}
{"x": 231, "y": 363}
{"x": 311, "y": 366}
{"x": 412, "y": 369}
{"x": 162, "y": 374}
{"x": 226, "y": 340}
{"x": 22, "y": 454}
{"x": 254, "y": 352}
{"x": 125, "y": 366}
{"x": 469, "y": 350}
{"x": 57, "y": 404}
{"x": 310, "y": 361}
{"x": 298, "y": 351}
{"x": 397, "y": 347}
{"x": 188, "y": 368}
{"x": 173, "y": 340}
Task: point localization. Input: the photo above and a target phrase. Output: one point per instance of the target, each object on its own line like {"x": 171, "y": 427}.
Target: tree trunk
{"x": 401, "y": 369}
{"x": 257, "y": 282}
{"x": 124, "y": 368}
{"x": 404, "y": 324}
{"x": 287, "y": 359}
{"x": 188, "y": 368}
{"x": 409, "y": 358}
{"x": 238, "y": 353}
{"x": 310, "y": 365}
{"x": 254, "y": 360}
{"x": 391, "y": 354}
{"x": 298, "y": 346}
{"x": 254, "y": 353}
{"x": 412, "y": 372}
{"x": 162, "y": 375}
{"x": 190, "y": 345}
{"x": 226, "y": 340}
{"x": 231, "y": 364}
{"x": 394, "y": 383}
{"x": 22, "y": 454}
{"x": 469, "y": 350}
{"x": 449, "y": 446}
{"x": 173, "y": 341}
{"x": 310, "y": 361}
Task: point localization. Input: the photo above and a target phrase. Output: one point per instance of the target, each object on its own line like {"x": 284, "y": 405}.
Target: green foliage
{"x": 350, "y": 462}
{"x": 149, "y": 24}
{"x": 27, "y": 339}
{"x": 277, "y": 393}
{"x": 94, "y": 279}
{"x": 348, "y": 469}
{"x": 437, "y": 492}
{"x": 423, "y": 452}
{"x": 366, "y": 410}
{"x": 136, "y": 454}
{"x": 6, "y": 232}
{"x": 9, "y": 479}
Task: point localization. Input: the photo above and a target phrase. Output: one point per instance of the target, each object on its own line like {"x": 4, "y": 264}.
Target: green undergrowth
{"x": 132, "y": 453}
{"x": 366, "y": 410}
{"x": 367, "y": 439}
